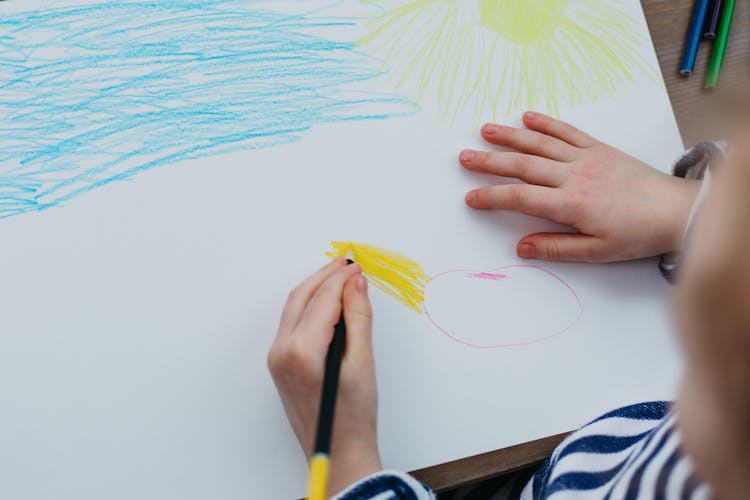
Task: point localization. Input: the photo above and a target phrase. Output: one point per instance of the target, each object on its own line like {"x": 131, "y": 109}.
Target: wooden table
{"x": 695, "y": 108}
{"x": 693, "y": 104}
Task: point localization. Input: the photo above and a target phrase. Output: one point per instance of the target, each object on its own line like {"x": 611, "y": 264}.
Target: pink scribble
{"x": 493, "y": 272}
{"x": 488, "y": 276}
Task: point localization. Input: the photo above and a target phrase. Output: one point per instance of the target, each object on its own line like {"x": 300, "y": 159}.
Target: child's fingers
{"x": 528, "y": 168}
{"x": 324, "y": 310}
{"x": 529, "y": 141}
{"x": 561, "y": 247}
{"x": 528, "y": 199}
{"x": 300, "y": 296}
{"x": 358, "y": 318}
{"x": 557, "y": 128}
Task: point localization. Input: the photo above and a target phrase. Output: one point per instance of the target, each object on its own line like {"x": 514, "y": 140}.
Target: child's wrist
{"x": 348, "y": 468}
{"x": 683, "y": 197}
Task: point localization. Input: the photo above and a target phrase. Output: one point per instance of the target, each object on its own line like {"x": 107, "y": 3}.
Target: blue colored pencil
{"x": 694, "y": 36}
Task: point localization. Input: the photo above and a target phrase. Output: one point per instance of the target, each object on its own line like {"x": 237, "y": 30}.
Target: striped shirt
{"x": 632, "y": 452}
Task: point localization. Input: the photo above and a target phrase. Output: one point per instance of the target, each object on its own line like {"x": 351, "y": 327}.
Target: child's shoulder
{"x": 631, "y": 452}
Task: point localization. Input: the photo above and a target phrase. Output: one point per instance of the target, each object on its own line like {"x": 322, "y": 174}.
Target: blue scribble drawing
{"x": 99, "y": 92}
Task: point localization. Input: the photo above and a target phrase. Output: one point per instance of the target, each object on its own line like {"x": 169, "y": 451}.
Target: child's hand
{"x": 297, "y": 360}
{"x": 622, "y": 208}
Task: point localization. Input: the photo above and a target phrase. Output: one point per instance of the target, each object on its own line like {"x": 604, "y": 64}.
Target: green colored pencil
{"x": 720, "y": 45}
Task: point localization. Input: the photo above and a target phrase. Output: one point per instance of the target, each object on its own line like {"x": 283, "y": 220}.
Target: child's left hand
{"x": 622, "y": 208}
{"x": 297, "y": 359}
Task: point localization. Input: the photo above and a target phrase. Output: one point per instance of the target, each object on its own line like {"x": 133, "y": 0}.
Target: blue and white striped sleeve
{"x": 387, "y": 485}
{"x": 632, "y": 452}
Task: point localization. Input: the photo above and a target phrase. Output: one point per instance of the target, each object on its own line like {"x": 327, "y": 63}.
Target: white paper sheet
{"x": 135, "y": 316}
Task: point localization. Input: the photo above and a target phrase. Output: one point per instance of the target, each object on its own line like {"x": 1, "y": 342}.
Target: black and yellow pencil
{"x": 320, "y": 461}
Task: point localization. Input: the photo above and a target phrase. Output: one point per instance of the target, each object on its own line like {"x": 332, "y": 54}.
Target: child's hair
{"x": 721, "y": 297}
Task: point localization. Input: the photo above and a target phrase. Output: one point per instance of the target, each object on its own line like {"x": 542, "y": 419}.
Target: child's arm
{"x": 622, "y": 208}
{"x": 297, "y": 359}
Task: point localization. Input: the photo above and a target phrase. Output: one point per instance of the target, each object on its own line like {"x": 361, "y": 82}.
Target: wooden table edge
{"x": 485, "y": 466}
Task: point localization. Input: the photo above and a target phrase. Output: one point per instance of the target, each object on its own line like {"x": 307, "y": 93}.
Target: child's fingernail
{"x": 526, "y": 251}
{"x": 470, "y": 196}
{"x": 530, "y": 115}
{"x": 466, "y": 155}
{"x": 361, "y": 284}
{"x": 489, "y": 129}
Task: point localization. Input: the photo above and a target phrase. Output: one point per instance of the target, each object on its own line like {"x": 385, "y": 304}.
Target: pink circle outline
{"x": 519, "y": 344}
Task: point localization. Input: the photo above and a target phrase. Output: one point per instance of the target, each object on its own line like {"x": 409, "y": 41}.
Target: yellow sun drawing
{"x": 506, "y": 55}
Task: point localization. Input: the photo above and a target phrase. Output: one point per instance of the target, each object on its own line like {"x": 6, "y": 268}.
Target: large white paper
{"x": 158, "y": 204}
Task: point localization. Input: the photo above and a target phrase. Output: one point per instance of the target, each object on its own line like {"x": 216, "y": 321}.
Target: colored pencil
{"x": 320, "y": 462}
{"x": 720, "y": 45}
{"x": 694, "y": 37}
{"x": 712, "y": 19}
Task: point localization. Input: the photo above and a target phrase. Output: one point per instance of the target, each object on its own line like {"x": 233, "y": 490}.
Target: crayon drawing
{"x": 509, "y": 55}
{"x": 503, "y": 306}
{"x": 95, "y": 93}
{"x": 398, "y": 276}
{"x": 490, "y": 300}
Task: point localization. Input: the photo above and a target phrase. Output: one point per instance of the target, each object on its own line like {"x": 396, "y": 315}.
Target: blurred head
{"x": 713, "y": 312}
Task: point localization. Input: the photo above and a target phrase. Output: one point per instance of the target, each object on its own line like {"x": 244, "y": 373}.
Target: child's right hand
{"x": 622, "y": 208}
{"x": 297, "y": 363}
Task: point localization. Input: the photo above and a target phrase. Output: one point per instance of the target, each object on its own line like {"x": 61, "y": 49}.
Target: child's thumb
{"x": 561, "y": 247}
{"x": 358, "y": 318}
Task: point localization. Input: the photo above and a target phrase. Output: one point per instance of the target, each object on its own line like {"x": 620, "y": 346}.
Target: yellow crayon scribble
{"x": 398, "y": 276}
{"x": 499, "y": 56}
{"x": 524, "y": 23}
